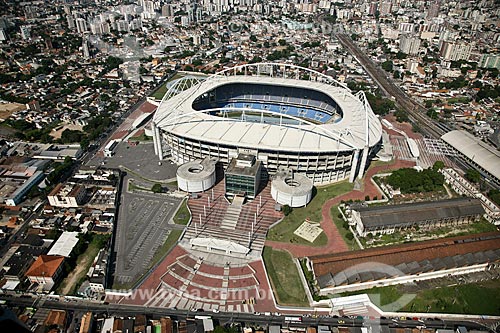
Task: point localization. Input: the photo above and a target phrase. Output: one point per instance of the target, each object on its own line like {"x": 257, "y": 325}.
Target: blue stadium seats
{"x": 299, "y": 102}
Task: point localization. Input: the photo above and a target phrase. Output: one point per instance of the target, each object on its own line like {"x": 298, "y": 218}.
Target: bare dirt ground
{"x": 80, "y": 270}
{"x": 7, "y": 109}
{"x": 57, "y": 134}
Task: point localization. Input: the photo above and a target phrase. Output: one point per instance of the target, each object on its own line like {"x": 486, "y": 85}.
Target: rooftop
{"x": 64, "y": 244}
{"x": 407, "y": 253}
{"x": 56, "y": 317}
{"x": 197, "y": 170}
{"x": 235, "y": 167}
{"x": 45, "y": 265}
{"x": 486, "y": 156}
{"x": 356, "y": 127}
{"x": 394, "y": 215}
{"x": 292, "y": 183}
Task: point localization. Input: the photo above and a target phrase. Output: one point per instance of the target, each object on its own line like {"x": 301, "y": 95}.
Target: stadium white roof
{"x": 357, "y": 126}
{"x": 64, "y": 244}
{"x": 479, "y": 152}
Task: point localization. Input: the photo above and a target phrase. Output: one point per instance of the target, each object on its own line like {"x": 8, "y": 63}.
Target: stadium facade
{"x": 287, "y": 116}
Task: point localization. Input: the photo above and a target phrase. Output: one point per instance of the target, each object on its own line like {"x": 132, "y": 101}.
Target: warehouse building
{"x": 406, "y": 263}
{"x": 424, "y": 215}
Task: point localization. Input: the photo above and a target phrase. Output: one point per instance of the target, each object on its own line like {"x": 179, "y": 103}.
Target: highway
{"x": 415, "y": 111}
{"x": 230, "y": 317}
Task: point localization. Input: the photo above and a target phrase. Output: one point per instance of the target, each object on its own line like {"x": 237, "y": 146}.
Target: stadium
{"x": 288, "y": 116}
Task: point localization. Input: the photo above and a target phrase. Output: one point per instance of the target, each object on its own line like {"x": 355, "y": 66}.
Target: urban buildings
{"x": 67, "y": 195}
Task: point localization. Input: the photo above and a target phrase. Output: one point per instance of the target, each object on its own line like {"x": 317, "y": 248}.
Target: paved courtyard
{"x": 139, "y": 159}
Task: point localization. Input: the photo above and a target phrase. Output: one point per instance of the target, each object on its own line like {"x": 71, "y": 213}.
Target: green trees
{"x": 157, "y": 188}
{"x": 380, "y": 105}
{"x": 97, "y": 125}
{"x": 459, "y": 82}
{"x": 488, "y": 91}
{"x": 387, "y": 66}
{"x": 494, "y": 195}
{"x": 287, "y": 210}
{"x": 401, "y": 116}
{"x": 71, "y": 136}
{"x": 473, "y": 175}
{"x": 400, "y": 55}
{"x": 431, "y": 113}
{"x": 412, "y": 181}
{"x": 112, "y": 62}
{"x": 438, "y": 165}
{"x": 61, "y": 171}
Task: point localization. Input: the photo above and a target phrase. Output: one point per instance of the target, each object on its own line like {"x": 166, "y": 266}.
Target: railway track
{"x": 415, "y": 110}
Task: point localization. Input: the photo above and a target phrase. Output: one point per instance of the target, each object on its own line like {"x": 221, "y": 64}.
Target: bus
{"x": 202, "y": 317}
{"x": 293, "y": 319}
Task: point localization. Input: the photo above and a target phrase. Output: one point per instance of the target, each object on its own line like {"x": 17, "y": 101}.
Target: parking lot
{"x": 143, "y": 217}
{"x": 143, "y": 226}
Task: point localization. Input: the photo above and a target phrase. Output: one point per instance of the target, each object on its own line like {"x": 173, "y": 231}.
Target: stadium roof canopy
{"x": 358, "y": 128}
{"x": 479, "y": 152}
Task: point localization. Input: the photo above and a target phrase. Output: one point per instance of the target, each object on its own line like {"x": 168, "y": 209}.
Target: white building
{"x": 67, "y": 195}
{"x": 409, "y": 44}
{"x": 455, "y": 51}
{"x": 26, "y": 32}
{"x": 64, "y": 244}
{"x": 81, "y": 25}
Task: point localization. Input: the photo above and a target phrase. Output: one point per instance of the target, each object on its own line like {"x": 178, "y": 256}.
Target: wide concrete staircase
{"x": 231, "y": 217}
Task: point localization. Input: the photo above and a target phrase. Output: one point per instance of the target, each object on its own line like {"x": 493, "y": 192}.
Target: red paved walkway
{"x": 335, "y": 241}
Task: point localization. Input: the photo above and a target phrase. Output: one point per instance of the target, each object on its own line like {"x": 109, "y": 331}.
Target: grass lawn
{"x": 75, "y": 278}
{"x": 285, "y": 279}
{"x": 142, "y": 137}
{"x": 171, "y": 240}
{"x": 374, "y": 164}
{"x": 158, "y": 94}
{"x": 161, "y": 91}
{"x": 132, "y": 187}
{"x": 183, "y": 215}
{"x": 481, "y": 299}
{"x": 381, "y": 296}
{"x": 339, "y": 223}
{"x": 173, "y": 184}
{"x": 283, "y": 232}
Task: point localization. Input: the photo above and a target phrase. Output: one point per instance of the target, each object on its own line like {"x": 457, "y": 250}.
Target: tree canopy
{"x": 409, "y": 180}
{"x": 473, "y": 175}
{"x": 380, "y": 105}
